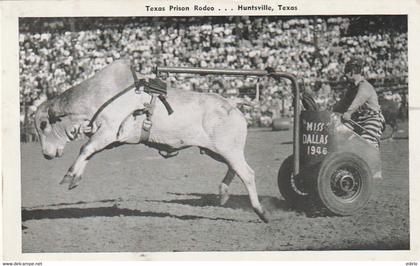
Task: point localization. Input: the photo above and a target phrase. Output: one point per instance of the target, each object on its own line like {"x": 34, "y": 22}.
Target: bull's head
{"x": 51, "y": 128}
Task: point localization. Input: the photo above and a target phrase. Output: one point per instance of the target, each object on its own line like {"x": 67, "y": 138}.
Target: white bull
{"x": 206, "y": 120}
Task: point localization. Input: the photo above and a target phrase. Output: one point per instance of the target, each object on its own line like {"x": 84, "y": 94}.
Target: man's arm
{"x": 361, "y": 97}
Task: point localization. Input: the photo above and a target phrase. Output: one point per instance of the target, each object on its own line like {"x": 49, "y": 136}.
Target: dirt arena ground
{"x": 133, "y": 200}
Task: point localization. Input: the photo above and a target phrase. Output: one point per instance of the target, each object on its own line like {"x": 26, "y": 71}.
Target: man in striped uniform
{"x": 364, "y": 107}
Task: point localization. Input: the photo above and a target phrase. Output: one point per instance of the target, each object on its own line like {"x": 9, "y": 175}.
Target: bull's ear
{"x": 53, "y": 115}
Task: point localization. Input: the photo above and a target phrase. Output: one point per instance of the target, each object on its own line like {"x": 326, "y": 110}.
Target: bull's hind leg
{"x": 237, "y": 162}
{"x": 227, "y": 130}
{"x": 224, "y": 186}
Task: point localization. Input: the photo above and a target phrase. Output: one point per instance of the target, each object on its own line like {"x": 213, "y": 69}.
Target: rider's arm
{"x": 362, "y": 95}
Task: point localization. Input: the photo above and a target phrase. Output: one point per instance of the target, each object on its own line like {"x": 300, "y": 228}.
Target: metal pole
{"x": 296, "y": 122}
{"x": 249, "y": 72}
{"x": 211, "y": 71}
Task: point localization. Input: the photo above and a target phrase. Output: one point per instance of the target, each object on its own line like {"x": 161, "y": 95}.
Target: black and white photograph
{"x": 213, "y": 133}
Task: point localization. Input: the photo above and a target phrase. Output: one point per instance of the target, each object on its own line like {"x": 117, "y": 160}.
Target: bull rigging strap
{"x": 156, "y": 88}
{"x": 103, "y": 106}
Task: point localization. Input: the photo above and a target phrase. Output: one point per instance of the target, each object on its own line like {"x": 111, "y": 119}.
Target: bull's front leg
{"x": 100, "y": 140}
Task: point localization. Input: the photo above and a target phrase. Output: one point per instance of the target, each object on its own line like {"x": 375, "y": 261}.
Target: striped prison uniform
{"x": 373, "y": 122}
{"x": 366, "y": 111}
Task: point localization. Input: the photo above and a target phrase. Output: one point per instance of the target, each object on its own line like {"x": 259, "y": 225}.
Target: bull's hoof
{"x": 66, "y": 180}
{"x": 263, "y": 216}
{"x": 223, "y": 199}
{"x": 224, "y": 194}
{"x": 75, "y": 182}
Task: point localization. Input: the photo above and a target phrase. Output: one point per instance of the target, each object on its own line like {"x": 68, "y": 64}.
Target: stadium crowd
{"x": 314, "y": 49}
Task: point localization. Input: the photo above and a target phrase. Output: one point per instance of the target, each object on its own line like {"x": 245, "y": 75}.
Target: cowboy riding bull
{"x": 111, "y": 109}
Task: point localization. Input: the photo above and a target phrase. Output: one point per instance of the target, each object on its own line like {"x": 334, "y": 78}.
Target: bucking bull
{"x": 98, "y": 109}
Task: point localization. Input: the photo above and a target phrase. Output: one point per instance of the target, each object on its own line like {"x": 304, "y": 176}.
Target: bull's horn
{"x": 53, "y": 115}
